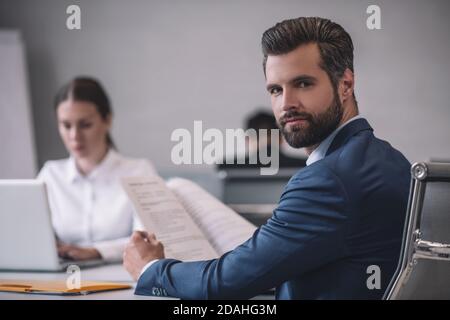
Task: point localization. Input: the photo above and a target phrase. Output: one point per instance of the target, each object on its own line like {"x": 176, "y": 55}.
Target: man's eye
{"x": 66, "y": 126}
{"x": 275, "y": 91}
{"x": 303, "y": 84}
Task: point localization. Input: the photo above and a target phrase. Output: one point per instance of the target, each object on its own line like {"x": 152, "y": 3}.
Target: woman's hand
{"x": 69, "y": 251}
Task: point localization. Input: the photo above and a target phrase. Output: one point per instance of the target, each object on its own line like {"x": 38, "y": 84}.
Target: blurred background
{"x": 168, "y": 63}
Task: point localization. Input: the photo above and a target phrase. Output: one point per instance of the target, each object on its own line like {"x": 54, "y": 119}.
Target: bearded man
{"x": 339, "y": 220}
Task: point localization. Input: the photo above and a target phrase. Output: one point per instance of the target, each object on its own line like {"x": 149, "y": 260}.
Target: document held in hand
{"x": 190, "y": 222}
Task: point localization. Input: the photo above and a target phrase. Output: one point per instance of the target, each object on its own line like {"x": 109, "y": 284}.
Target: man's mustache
{"x": 292, "y": 115}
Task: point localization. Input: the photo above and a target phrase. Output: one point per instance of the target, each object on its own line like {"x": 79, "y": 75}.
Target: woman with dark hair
{"x": 91, "y": 213}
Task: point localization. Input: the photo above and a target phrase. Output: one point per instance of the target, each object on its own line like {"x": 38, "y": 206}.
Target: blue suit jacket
{"x": 335, "y": 218}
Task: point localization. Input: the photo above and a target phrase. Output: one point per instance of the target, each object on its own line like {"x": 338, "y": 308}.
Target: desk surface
{"x": 112, "y": 273}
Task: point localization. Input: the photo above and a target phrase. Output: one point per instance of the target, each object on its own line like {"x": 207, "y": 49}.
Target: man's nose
{"x": 289, "y": 100}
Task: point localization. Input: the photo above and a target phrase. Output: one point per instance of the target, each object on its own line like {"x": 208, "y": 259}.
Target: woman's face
{"x": 82, "y": 128}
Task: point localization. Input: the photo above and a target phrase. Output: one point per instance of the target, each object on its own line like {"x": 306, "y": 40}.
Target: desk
{"x": 112, "y": 273}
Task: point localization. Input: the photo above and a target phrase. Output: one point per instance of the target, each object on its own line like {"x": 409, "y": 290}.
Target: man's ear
{"x": 346, "y": 85}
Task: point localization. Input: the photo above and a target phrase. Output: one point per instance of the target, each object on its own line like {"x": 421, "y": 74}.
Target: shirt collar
{"x": 73, "y": 174}
{"x": 320, "y": 152}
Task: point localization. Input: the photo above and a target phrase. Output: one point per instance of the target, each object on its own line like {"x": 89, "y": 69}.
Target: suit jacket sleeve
{"x": 305, "y": 232}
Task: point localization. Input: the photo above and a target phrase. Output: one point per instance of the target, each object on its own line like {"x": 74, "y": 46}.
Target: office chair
{"x": 424, "y": 267}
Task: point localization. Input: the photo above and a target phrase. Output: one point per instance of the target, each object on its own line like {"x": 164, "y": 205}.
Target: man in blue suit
{"x": 337, "y": 230}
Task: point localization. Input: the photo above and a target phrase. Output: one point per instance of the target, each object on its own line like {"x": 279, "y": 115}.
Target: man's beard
{"x": 319, "y": 127}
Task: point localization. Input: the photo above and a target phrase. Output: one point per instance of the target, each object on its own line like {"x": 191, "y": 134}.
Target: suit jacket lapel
{"x": 347, "y": 132}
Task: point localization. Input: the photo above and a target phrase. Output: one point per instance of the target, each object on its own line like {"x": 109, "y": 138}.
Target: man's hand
{"x": 72, "y": 252}
{"x": 141, "y": 249}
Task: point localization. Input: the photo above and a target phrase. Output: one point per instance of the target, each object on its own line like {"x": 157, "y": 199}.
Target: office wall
{"x": 168, "y": 63}
{"x": 17, "y": 149}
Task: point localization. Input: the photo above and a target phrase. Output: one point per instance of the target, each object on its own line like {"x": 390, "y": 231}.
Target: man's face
{"x": 304, "y": 102}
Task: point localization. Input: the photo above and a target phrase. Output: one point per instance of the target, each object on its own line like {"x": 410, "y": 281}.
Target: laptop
{"x": 27, "y": 239}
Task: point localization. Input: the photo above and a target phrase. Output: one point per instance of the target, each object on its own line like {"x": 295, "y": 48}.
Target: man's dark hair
{"x": 261, "y": 119}
{"x": 335, "y": 44}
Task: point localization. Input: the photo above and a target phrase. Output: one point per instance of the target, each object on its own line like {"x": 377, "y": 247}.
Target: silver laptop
{"x": 27, "y": 239}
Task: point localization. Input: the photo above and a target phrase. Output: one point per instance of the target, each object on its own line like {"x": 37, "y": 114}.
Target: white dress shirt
{"x": 93, "y": 210}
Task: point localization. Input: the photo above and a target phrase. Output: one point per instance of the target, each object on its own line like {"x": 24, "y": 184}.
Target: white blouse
{"x": 94, "y": 210}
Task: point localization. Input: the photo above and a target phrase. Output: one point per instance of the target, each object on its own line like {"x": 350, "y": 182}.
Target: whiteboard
{"x": 17, "y": 150}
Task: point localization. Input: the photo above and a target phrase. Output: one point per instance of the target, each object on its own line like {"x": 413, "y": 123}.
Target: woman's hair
{"x": 87, "y": 89}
